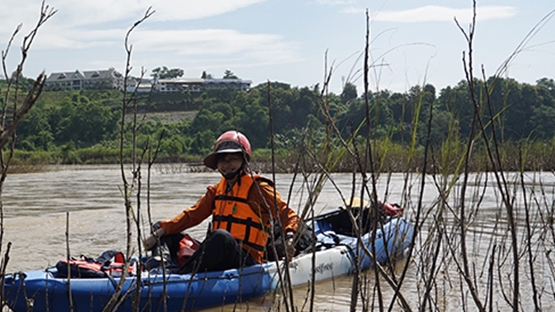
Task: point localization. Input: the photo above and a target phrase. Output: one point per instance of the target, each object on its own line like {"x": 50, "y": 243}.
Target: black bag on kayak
{"x": 302, "y": 243}
{"x": 108, "y": 263}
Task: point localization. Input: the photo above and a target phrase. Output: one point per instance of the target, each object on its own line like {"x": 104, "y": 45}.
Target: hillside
{"x": 168, "y": 117}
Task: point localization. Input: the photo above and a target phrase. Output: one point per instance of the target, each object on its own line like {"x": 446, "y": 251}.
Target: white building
{"x": 200, "y": 85}
{"x": 142, "y": 86}
{"x": 111, "y": 79}
{"x": 177, "y": 85}
{"x": 235, "y": 84}
{"x": 85, "y": 80}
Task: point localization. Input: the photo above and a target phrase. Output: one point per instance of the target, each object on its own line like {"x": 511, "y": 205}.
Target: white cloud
{"x": 89, "y": 25}
{"x": 432, "y": 13}
{"x": 77, "y": 39}
{"x": 98, "y": 11}
{"x": 335, "y": 2}
{"x": 196, "y": 9}
{"x": 217, "y": 42}
{"x": 171, "y": 45}
{"x": 13, "y": 13}
{"x": 71, "y": 13}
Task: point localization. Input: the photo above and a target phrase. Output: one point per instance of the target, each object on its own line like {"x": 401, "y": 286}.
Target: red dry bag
{"x": 187, "y": 247}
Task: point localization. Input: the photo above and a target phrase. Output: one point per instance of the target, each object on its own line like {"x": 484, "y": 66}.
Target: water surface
{"x": 37, "y": 205}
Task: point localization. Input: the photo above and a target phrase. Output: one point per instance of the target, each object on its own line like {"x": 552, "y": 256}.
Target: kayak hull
{"x": 44, "y": 291}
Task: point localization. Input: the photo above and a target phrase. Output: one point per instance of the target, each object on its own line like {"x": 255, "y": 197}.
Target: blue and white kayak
{"x": 337, "y": 253}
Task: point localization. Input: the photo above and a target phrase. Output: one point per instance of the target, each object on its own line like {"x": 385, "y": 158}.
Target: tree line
{"x": 79, "y": 119}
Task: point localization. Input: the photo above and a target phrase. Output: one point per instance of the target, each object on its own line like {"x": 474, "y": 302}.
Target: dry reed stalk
{"x": 8, "y": 127}
{"x": 116, "y": 300}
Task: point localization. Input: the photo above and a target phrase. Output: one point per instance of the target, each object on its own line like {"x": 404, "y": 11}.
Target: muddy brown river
{"x": 37, "y": 207}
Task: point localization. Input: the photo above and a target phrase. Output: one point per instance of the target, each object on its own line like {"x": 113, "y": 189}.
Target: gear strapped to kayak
{"x": 109, "y": 263}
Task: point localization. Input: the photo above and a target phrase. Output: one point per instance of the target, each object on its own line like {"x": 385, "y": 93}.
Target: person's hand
{"x": 151, "y": 241}
{"x": 289, "y": 245}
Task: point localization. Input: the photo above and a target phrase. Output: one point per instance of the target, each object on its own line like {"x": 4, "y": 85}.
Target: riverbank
{"x": 391, "y": 159}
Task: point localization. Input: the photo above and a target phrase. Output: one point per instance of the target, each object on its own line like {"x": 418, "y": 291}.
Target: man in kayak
{"x": 243, "y": 207}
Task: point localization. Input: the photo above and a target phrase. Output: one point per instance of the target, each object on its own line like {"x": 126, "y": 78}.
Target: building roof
{"x": 201, "y": 80}
{"x": 78, "y": 74}
{"x": 226, "y": 80}
{"x": 181, "y": 80}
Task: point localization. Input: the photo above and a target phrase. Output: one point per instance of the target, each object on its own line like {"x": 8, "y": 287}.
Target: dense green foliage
{"x": 68, "y": 121}
{"x": 165, "y": 73}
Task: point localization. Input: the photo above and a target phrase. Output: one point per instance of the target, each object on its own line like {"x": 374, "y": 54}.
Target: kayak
{"x": 336, "y": 252}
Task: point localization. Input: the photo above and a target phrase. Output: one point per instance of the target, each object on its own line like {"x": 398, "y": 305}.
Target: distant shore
{"x": 289, "y": 164}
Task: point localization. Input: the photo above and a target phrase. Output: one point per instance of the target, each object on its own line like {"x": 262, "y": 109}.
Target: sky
{"x": 298, "y": 42}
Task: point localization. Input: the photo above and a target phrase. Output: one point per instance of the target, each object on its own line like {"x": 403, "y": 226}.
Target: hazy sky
{"x": 412, "y": 42}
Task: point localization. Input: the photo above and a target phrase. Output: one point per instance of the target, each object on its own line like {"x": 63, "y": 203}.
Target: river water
{"x": 87, "y": 201}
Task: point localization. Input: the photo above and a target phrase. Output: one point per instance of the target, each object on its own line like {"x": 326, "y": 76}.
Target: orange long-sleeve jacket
{"x": 202, "y": 209}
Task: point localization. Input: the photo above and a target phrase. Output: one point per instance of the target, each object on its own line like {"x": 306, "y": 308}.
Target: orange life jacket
{"x": 233, "y": 213}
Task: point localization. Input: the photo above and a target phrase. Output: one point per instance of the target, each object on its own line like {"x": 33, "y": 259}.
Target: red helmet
{"x": 229, "y": 142}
